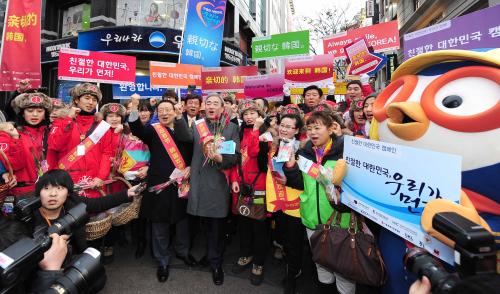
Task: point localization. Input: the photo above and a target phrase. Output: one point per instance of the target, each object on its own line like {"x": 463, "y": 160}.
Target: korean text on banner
{"x": 21, "y": 38}
{"x": 167, "y": 75}
{"x": 287, "y": 44}
{"x": 142, "y": 86}
{"x": 202, "y": 38}
{"x": 100, "y": 67}
{"x": 266, "y": 86}
{"x": 226, "y": 79}
{"x": 382, "y": 37}
{"x": 390, "y": 184}
{"x": 480, "y": 29}
{"x": 362, "y": 61}
{"x": 306, "y": 70}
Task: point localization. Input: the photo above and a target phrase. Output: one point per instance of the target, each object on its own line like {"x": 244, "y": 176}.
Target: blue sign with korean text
{"x": 141, "y": 86}
{"x": 390, "y": 184}
{"x": 131, "y": 38}
{"x": 202, "y": 38}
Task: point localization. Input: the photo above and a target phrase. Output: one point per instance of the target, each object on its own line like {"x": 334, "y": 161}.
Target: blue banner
{"x": 391, "y": 184}
{"x": 63, "y": 88}
{"x": 142, "y": 86}
{"x": 202, "y": 38}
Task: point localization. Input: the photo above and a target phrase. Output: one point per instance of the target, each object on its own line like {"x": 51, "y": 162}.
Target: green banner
{"x": 281, "y": 45}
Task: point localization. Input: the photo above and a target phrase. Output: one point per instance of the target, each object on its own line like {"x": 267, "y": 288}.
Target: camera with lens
{"x": 18, "y": 260}
{"x": 20, "y": 208}
{"x": 475, "y": 253}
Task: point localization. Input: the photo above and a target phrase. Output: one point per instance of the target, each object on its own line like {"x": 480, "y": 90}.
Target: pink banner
{"x": 265, "y": 86}
{"x": 90, "y": 66}
{"x": 20, "y": 56}
{"x": 306, "y": 70}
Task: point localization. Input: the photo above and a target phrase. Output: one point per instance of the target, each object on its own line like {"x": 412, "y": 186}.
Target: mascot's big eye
{"x": 465, "y": 99}
{"x": 452, "y": 101}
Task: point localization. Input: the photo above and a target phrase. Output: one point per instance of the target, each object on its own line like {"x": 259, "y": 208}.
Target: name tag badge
{"x": 80, "y": 150}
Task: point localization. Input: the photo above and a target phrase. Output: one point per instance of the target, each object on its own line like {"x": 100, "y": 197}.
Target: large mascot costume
{"x": 447, "y": 101}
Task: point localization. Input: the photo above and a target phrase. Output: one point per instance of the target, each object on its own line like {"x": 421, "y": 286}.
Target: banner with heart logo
{"x": 202, "y": 36}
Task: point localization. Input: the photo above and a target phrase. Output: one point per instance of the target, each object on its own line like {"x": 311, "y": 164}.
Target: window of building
{"x": 156, "y": 13}
{"x": 74, "y": 19}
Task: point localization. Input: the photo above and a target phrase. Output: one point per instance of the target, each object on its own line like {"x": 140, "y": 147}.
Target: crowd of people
{"x": 232, "y": 159}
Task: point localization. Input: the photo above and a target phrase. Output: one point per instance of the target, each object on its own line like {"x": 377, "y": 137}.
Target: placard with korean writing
{"x": 307, "y": 70}
{"x": 166, "y": 74}
{"x": 202, "y": 38}
{"x": 269, "y": 87}
{"x": 142, "y": 86}
{"x": 226, "y": 79}
{"x": 480, "y": 29}
{"x": 20, "y": 54}
{"x": 390, "y": 184}
{"x": 280, "y": 45}
{"x": 362, "y": 60}
{"x": 90, "y": 66}
{"x": 382, "y": 37}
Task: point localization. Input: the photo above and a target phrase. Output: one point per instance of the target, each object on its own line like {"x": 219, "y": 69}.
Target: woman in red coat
{"x": 84, "y": 143}
{"x": 27, "y": 153}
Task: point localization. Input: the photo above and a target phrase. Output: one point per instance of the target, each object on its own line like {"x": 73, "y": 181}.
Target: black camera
{"x": 20, "y": 208}
{"x": 18, "y": 260}
{"x": 475, "y": 253}
{"x": 79, "y": 275}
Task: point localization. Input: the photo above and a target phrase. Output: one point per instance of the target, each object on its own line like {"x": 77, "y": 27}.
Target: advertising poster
{"x": 390, "y": 184}
{"x": 21, "y": 38}
{"x": 142, "y": 86}
{"x": 75, "y": 19}
{"x": 382, "y": 37}
{"x": 226, "y": 79}
{"x": 171, "y": 75}
{"x": 155, "y": 13}
{"x": 287, "y": 44}
{"x": 268, "y": 86}
{"x": 480, "y": 29}
{"x": 100, "y": 67}
{"x": 202, "y": 37}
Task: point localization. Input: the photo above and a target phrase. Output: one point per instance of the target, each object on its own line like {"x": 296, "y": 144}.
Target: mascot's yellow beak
{"x": 407, "y": 120}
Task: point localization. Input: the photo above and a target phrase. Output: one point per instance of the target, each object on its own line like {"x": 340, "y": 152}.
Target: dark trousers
{"x": 254, "y": 238}
{"x": 214, "y": 232}
{"x": 161, "y": 240}
{"x": 292, "y": 232}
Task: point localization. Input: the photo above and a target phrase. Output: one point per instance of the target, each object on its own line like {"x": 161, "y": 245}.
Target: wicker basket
{"x": 98, "y": 229}
{"x": 4, "y": 188}
{"x": 130, "y": 212}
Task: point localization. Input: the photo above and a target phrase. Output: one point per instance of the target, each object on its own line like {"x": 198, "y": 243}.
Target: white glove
{"x": 331, "y": 89}
{"x": 365, "y": 79}
{"x": 286, "y": 89}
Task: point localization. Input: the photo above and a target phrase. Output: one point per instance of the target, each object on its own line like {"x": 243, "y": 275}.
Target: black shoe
{"x": 257, "y": 275}
{"x": 188, "y": 260}
{"x": 162, "y": 274}
{"x": 203, "y": 262}
{"x": 218, "y": 276}
{"x": 139, "y": 252}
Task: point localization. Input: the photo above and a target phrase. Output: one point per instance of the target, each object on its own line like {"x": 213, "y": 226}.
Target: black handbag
{"x": 251, "y": 203}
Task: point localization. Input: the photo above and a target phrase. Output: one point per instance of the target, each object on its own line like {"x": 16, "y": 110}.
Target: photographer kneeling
{"x": 56, "y": 191}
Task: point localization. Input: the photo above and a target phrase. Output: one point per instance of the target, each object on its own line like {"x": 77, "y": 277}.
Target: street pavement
{"x": 127, "y": 275}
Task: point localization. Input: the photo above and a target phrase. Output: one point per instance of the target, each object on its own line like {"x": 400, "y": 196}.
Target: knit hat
{"x": 85, "y": 88}
{"x": 36, "y": 99}
{"x": 113, "y": 108}
{"x": 249, "y": 105}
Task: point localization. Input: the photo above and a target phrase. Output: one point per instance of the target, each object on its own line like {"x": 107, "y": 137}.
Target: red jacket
{"x": 249, "y": 153}
{"x": 65, "y": 135}
{"x": 21, "y": 154}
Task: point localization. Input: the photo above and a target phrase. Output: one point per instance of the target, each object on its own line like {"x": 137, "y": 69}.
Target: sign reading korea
{"x": 167, "y": 75}
{"x": 306, "y": 70}
{"x": 362, "y": 61}
{"x": 287, "y": 44}
{"x": 226, "y": 79}
{"x": 390, "y": 184}
{"x": 89, "y": 66}
{"x": 382, "y": 37}
{"x": 20, "y": 57}
{"x": 265, "y": 86}
{"x": 480, "y": 29}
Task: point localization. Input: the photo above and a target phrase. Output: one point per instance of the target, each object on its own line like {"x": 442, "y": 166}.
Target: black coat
{"x": 166, "y": 206}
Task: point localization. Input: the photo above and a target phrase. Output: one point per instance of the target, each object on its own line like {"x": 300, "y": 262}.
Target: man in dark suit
{"x": 192, "y": 109}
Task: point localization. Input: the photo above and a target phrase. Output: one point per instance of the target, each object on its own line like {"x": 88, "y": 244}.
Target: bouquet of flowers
{"x": 213, "y": 141}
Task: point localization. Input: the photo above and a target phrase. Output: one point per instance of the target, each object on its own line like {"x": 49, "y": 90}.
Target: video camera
{"x": 18, "y": 260}
{"x": 475, "y": 253}
{"x": 79, "y": 275}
